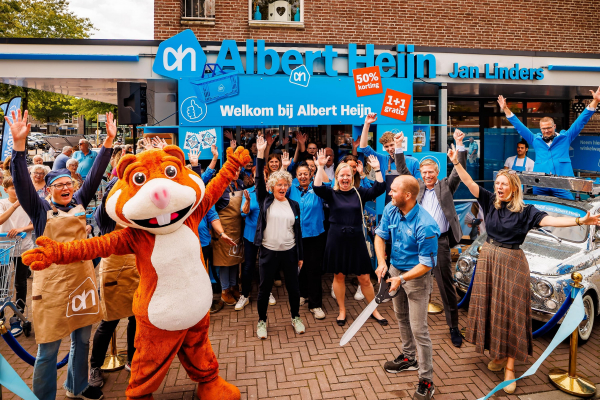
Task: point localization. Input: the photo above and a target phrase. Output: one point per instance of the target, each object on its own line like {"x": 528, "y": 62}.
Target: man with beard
{"x": 414, "y": 237}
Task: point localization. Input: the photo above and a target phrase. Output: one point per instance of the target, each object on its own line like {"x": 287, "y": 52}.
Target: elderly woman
{"x": 72, "y": 166}
{"x": 279, "y": 235}
{"x": 346, "y": 251}
{"x": 38, "y": 174}
{"x": 500, "y": 308}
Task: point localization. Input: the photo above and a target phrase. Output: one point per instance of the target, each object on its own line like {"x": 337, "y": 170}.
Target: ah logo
{"x": 179, "y": 56}
{"x": 300, "y": 76}
{"x": 84, "y": 299}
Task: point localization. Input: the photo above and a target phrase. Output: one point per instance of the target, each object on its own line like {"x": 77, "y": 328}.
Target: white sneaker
{"x": 261, "y": 329}
{"x": 303, "y": 300}
{"x": 272, "y": 300}
{"x": 359, "y": 295}
{"x": 333, "y": 293}
{"x": 242, "y": 302}
{"x": 318, "y": 312}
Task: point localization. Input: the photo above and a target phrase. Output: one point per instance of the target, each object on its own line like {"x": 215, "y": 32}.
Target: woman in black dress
{"x": 346, "y": 251}
{"x": 500, "y": 305}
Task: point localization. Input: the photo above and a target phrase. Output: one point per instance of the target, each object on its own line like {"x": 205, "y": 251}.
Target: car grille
{"x": 544, "y": 248}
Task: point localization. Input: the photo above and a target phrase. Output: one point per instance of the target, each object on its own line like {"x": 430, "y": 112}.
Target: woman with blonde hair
{"x": 346, "y": 251}
{"x": 500, "y": 305}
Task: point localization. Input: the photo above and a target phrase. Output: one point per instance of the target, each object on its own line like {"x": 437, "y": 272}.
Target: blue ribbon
{"x": 467, "y": 295}
{"x": 13, "y": 382}
{"x": 570, "y": 323}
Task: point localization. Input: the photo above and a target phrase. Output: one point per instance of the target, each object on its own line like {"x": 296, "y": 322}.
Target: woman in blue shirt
{"x": 313, "y": 237}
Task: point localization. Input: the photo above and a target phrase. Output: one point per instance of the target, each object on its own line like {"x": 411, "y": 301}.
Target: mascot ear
{"x": 175, "y": 152}
{"x": 123, "y": 163}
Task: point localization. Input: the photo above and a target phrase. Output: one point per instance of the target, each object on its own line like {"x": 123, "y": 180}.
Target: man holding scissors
{"x": 414, "y": 236}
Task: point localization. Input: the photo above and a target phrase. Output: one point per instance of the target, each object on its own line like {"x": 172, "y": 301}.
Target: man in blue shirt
{"x": 551, "y": 149}
{"x": 386, "y": 162}
{"x": 85, "y": 156}
{"x": 61, "y": 160}
{"x": 414, "y": 236}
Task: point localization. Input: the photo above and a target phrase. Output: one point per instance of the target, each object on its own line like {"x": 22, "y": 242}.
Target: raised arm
{"x": 516, "y": 122}
{"x": 215, "y": 158}
{"x": 259, "y": 181}
{"x": 399, "y": 155}
{"x": 454, "y": 179}
{"x": 462, "y": 173}
{"x": 577, "y": 126}
{"x": 364, "y": 137}
{"x": 320, "y": 162}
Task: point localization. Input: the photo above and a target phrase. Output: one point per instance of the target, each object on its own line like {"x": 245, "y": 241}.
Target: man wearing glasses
{"x": 552, "y": 149}
{"x": 64, "y": 300}
{"x": 85, "y": 156}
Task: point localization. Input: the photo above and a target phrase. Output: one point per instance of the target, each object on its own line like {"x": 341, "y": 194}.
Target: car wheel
{"x": 586, "y": 326}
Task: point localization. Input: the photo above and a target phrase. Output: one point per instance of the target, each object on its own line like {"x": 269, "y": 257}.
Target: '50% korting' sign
{"x": 395, "y": 104}
{"x": 367, "y": 81}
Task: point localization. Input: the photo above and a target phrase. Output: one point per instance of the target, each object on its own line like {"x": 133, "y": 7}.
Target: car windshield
{"x": 576, "y": 234}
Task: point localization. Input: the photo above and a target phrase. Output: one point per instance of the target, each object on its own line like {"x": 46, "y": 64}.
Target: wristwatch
{"x": 402, "y": 280}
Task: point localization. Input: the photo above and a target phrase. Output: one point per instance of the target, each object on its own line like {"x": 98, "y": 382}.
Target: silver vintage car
{"x": 553, "y": 254}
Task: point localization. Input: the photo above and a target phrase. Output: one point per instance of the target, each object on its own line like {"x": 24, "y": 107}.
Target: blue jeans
{"x": 228, "y": 276}
{"x": 44, "y": 370}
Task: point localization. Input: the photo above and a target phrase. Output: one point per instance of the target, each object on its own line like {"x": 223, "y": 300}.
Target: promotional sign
{"x": 200, "y": 139}
{"x": 585, "y": 153}
{"x": 7, "y": 141}
{"x": 367, "y": 81}
{"x": 396, "y": 104}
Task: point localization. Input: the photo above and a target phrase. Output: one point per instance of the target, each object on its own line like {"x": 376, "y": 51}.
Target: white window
{"x": 284, "y": 13}
{"x": 198, "y": 12}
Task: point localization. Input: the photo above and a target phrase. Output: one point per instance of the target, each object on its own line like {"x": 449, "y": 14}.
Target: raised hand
{"x": 399, "y": 140}
{"x": 232, "y": 144}
{"x": 356, "y": 143}
{"x": 596, "y": 94}
{"x": 453, "y": 154}
{"x": 214, "y": 151}
{"x": 159, "y": 143}
{"x": 111, "y": 126}
{"x": 321, "y": 158}
{"x": 285, "y": 161}
{"x": 370, "y": 118}
{"x": 285, "y": 141}
{"x": 359, "y": 167}
{"x": 373, "y": 162}
{"x": 301, "y": 137}
{"x": 502, "y": 102}
{"x": 228, "y": 134}
{"x": 459, "y": 137}
{"x": 147, "y": 144}
{"x": 261, "y": 144}
{"x": 19, "y": 128}
{"x": 247, "y": 196}
{"x": 193, "y": 156}
{"x": 270, "y": 139}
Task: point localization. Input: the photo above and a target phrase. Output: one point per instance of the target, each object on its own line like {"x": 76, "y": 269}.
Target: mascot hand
{"x": 240, "y": 157}
{"x": 42, "y": 257}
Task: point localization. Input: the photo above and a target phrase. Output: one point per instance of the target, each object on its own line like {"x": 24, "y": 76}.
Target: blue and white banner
{"x": 7, "y": 141}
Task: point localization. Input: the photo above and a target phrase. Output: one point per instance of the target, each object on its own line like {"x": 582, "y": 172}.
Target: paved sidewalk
{"x": 314, "y": 366}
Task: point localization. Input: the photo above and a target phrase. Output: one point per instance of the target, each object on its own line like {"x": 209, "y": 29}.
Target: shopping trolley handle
{"x": 21, "y": 235}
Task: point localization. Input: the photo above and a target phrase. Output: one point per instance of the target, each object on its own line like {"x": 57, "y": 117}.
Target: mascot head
{"x": 155, "y": 192}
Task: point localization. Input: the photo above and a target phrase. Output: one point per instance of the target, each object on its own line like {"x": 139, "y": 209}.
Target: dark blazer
{"x": 444, "y": 191}
{"x": 265, "y": 199}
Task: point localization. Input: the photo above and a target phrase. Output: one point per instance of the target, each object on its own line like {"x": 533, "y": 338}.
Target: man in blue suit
{"x": 552, "y": 149}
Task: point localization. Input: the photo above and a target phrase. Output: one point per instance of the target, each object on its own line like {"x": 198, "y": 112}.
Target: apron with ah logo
{"x": 119, "y": 279}
{"x": 225, "y": 255}
{"x": 65, "y": 297}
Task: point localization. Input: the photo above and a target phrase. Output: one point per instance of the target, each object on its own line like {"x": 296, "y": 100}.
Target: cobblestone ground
{"x": 314, "y": 366}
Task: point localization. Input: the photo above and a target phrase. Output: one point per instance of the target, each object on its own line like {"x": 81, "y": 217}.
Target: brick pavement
{"x": 313, "y": 366}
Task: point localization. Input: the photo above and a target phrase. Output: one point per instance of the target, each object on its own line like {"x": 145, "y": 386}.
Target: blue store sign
{"x": 585, "y": 153}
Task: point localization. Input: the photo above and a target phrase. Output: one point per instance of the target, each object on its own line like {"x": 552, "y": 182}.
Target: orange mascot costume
{"x": 161, "y": 202}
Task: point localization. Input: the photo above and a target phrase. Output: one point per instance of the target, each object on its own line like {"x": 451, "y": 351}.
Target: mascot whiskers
{"x": 161, "y": 202}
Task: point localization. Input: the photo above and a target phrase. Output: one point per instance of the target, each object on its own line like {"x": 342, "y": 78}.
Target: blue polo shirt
{"x": 205, "y": 225}
{"x": 252, "y": 217}
{"x": 311, "y": 210}
{"x": 414, "y": 236}
{"x": 85, "y": 161}
{"x": 411, "y": 163}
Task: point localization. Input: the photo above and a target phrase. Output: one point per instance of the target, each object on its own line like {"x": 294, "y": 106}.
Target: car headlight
{"x": 464, "y": 265}
{"x": 543, "y": 288}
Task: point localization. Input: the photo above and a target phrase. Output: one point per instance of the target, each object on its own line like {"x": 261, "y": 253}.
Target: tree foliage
{"x": 48, "y": 106}
{"x": 91, "y": 108}
{"x": 42, "y": 19}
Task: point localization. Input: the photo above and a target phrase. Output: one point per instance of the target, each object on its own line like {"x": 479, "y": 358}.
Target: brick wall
{"x": 593, "y": 125}
{"x": 542, "y": 25}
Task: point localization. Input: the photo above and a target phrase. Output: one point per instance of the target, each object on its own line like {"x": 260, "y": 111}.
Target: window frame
{"x": 192, "y": 20}
{"x": 274, "y": 24}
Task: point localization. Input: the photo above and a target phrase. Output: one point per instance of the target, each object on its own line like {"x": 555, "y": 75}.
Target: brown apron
{"x": 119, "y": 280}
{"x": 225, "y": 255}
{"x": 65, "y": 297}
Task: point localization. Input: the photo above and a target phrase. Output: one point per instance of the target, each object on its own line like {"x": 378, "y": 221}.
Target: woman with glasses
{"x": 38, "y": 175}
{"x": 72, "y": 166}
{"x": 500, "y": 307}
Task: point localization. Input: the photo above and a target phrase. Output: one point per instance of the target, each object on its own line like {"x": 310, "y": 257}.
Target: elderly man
{"x": 330, "y": 166}
{"x": 414, "y": 235}
{"x": 61, "y": 160}
{"x": 552, "y": 149}
{"x": 437, "y": 198}
{"x": 38, "y": 160}
{"x": 85, "y": 156}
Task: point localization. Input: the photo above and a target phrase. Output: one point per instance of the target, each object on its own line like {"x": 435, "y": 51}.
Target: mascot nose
{"x": 160, "y": 197}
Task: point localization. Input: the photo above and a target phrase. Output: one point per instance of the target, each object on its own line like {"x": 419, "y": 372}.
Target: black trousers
{"x": 21, "y": 273}
{"x": 310, "y": 274}
{"x": 250, "y": 253}
{"x": 269, "y": 262}
{"x": 443, "y": 277}
{"x": 102, "y": 340}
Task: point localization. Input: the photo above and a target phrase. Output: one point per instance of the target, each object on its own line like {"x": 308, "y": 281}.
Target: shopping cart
{"x": 8, "y": 248}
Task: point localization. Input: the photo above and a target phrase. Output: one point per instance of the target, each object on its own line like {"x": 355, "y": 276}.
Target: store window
{"x": 198, "y": 10}
{"x": 425, "y": 112}
{"x": 287, "y": 13}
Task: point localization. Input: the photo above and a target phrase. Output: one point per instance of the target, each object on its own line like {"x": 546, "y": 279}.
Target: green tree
{"x": 42, "y": 19}
{"x": 48, "y": 106}
{"x": 91, "y": 108}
